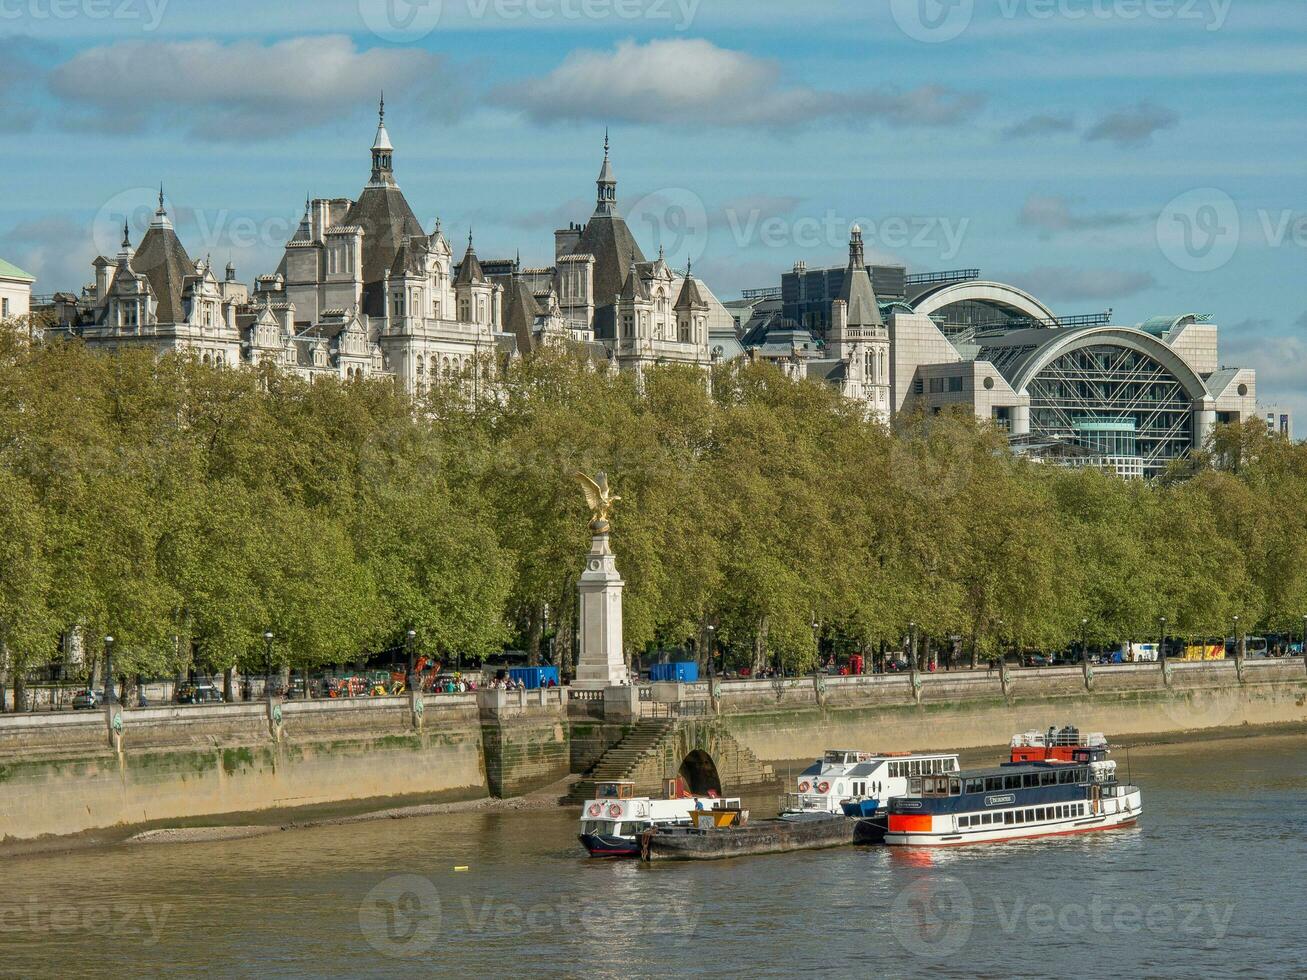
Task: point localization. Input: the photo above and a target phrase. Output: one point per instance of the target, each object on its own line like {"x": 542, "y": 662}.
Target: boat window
{"x": 1011, "y": 782}
{"x": 1048, "y": 779}
{"x": 955, "y": 787}
{"x": 1007, "y": 816}
{"x": 914, "y": 787}
{"x": 993, "y": 782}
{"x": 975, "y": 785}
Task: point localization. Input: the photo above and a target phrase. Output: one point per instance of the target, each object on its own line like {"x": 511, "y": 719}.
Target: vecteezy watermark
{"x": 149, "y": 13}
{"x": 936, "y": 21}
{"x": 933, "y": 21}
{"x": 674, "y": 220}
{"x": 1204, "y": 922}
{"x": 1199, "y": 230}
{"x": 934, "y": 917}
{"x": 831, "y": 230}
{"x": 403, "y": 21}
{"x": 403, "y": 917}
{"x": 201, "y": 230}
{"x": 121, "y": 919}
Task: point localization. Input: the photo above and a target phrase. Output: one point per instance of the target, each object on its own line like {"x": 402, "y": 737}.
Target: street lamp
{"x": 1002, "y": 654}
{"x": 410, "y": 678}
{"x": 1303, "y": 651}
{"x": 108, "y": 670}
{"x": 1161, "y": 639}
{"x": 1237, "y": 652}
{"x": 712, "y": 649}
{"x": 267, "y": 664}
{"x": 912, "y": 645}
{"x": 1084, "y": 640}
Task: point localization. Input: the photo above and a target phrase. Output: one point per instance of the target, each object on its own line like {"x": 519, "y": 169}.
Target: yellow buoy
{"x": 460, "y": 867}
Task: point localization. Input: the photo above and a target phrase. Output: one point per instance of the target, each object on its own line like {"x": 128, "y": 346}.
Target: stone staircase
{"x": 646, "y": 739}
{"x": 654, "y": 749}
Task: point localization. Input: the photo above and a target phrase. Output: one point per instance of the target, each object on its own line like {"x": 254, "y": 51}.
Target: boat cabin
{"x": 615, "y": 790}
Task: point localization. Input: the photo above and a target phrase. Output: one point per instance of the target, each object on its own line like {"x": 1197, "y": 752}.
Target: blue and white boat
{"x": 861, "y": 784}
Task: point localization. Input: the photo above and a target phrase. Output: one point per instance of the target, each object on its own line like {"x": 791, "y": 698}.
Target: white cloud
{"x": 1075, "y": 283}
{"x": 1042, "y": 124}
{"x": 693, "y": 82}
{"x": 1133, "y": 126}
{"x": 243, "y": 89}
{"x": 1052, "y": 214}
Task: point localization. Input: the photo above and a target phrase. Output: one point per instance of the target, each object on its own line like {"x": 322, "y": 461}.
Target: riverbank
{"x": 104, "y": 778}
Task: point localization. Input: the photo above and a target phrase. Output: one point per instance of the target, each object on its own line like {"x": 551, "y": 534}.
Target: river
{"x": 1213, "y": 882}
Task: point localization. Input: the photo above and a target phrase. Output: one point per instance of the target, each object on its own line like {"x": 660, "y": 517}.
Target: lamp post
{"x": 267, "y": 664}
{"x": 108, "y": 670}
{"x": 1161, "y": 639}
{"x": 912, "y": 645}
{"x": 410, "y": 677}
{"x": 1238, "y": 653}
{"x": 1303, "y": 651}
{"x": 712, "y": 650}
{"x": 1084, "y": 641}
{"x": 1002, "y": 654}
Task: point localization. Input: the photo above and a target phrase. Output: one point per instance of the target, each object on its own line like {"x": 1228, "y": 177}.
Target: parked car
{"x": 86, "y": 699}
{"x": 197, "y": 694}
{"x": 897, "y": 666}
{"x": 1038, "y": 660}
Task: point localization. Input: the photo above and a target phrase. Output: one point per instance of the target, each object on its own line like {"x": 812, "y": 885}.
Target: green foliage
{"x": 187, "y": 510}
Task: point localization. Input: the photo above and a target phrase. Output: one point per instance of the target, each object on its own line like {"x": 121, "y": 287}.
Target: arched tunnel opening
{"x": 698, "y": 774}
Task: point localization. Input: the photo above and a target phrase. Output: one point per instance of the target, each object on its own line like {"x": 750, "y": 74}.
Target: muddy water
{"x": 1212, "y": 883}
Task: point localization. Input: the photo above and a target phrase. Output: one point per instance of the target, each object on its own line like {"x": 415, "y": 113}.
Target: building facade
{"x": 1079, "y": 390}
{"x": 15, "y": 291}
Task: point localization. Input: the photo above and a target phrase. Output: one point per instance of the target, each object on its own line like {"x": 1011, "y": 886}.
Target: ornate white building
{"x": 362, "y": 290}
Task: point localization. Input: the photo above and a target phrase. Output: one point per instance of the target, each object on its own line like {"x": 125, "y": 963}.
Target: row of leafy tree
{"x": 186, "y": 510}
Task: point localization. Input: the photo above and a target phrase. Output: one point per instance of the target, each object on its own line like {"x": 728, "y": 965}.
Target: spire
{"x": 470, "y": 270}
{"x": 606, "y": 199}
{"x": 382, "y": 149}
{"x": 161, "y": 219}
{"x": 127, "y": 237}
{"x": 857, "y": 290}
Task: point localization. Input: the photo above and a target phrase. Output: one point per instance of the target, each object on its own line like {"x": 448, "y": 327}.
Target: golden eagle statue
{"x": 600, "y": 497}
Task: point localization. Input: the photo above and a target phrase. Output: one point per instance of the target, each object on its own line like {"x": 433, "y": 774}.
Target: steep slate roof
{"x": 469, "y": 270}
{"x": 635, "y": 287}
{"x": 857, "y": 291}
{"x": 615, "y": 250}
{"x": 520, "y": 312}
{"x": 386, "y": 219}
{"x": 163, "y": 261}
{"x": 690, "y": 298}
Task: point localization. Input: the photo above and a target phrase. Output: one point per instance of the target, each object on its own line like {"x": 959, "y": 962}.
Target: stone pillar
{"x": 600, "y": 663}
{"x": 1021, "y": 420}
{"x": 1204, "y": 421}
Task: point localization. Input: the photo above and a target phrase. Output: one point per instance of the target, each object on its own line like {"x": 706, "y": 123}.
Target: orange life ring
{"x": 596, "y": 809}
{"x": 823, "y": 787}
{"x": 805, "y": 786}
{"x": 615, "y": 810}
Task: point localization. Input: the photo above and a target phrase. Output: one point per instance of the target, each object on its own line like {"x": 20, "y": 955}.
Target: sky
{"x": 1143, "y": 156}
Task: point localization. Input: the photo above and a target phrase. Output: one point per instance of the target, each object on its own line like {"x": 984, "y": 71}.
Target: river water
{"x": 1212, "y": 883}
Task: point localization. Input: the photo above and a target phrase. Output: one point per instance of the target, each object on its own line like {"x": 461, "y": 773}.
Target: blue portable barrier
{"x": 533, "y": 677}
{"x": 686, "y": 671}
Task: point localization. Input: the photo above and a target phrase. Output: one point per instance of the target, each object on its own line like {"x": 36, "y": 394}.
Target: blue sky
{"x": 1140, "y": 155}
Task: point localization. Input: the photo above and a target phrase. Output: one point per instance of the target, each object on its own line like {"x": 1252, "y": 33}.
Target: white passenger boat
{"x": 1012, "y": 802}
{"x": 612, "y": 822}
{"x": 861, "y": 784}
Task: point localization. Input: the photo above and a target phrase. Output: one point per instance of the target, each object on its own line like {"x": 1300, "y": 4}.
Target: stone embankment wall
{"x": 801, "y": 717}
{"x": 66, "y": 773}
